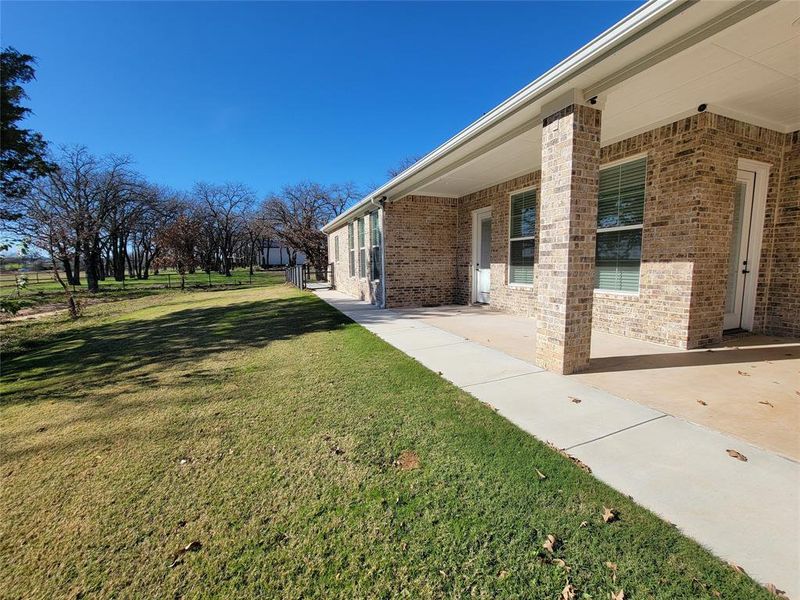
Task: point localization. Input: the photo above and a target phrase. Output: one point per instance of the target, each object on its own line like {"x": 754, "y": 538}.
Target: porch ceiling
{"x": 748, "y": 71}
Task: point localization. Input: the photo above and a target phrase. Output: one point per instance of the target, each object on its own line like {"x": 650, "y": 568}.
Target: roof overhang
{"x": 654, "y": 66}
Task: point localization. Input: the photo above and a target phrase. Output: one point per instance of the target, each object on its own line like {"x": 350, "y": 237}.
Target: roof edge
{"x": 644, "y": 16}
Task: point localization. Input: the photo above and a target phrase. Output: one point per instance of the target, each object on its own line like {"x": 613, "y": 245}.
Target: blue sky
{"x": 274, "y": 93}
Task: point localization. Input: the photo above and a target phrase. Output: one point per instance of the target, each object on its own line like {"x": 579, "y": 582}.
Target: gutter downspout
{"x": 380, "y": 203}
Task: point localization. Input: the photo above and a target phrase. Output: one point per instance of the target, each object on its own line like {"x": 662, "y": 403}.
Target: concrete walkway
{"x": 747, "y": 513}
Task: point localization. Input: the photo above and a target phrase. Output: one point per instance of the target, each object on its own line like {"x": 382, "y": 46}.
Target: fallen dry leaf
{"x": 551, "y": 543}
{"x": 775, "y": 591}
{"x": 540, "y": 474}
{"x": 561, "y": 564}
{"x": 407, "y": 461}
{"x": 736, "y": 454}
{"x": 737, "y": 568}
{"x": 191, "y": 547}
{"x": 702, "y": 402}
{"x": 568, "y": 593}
{"x": 620, "y": 595}
{"x": 575, "y": 400}
{"x": 766, "y": 403}
{"x": 609, "y": 515}
{"x": 583, "y": 524}
{"x": 744, "y": 373}
{"x": 577, "y": 461}
{"x": 502, "y": 574}
{"x": 613, "y": 567}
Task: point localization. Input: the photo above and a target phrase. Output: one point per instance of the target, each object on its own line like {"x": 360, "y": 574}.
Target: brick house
{"x": 647, "y": 186}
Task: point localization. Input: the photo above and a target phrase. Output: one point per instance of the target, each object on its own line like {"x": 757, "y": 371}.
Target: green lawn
{"x": 266, "y": 426}
{"x": 43, "y": 291}
{"x": 43, "y": 281}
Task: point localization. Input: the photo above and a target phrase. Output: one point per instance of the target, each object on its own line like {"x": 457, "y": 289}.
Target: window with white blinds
{"x": 620, "y": 214}
{"x": 375, "y": 244}
{"x": 351, "y": 243}
{"x": 362, "y": 249}
{"x": 522, "y": 238}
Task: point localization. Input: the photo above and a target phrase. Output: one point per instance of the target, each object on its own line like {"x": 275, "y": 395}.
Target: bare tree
{"x": 47, "y": 220}
{"x": 162, "y": 207}
{"x": 178, "y": 242}
{"x": 257, "y": 232}
{"x": 223, "y": 205}
{"x": 298, "y": 213}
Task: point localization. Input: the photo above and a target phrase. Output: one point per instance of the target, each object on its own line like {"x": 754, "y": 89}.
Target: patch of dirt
{"x": 35, "y": 312}
{"x": 407, "y": 461}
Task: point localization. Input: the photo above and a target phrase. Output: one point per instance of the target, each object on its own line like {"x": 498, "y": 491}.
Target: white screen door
{"x": 740, "y": 260}
{"x": 483, "y": 256}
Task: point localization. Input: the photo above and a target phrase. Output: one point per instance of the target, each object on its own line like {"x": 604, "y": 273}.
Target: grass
{"x": 46, "y": 294}
{"x": 43, "y": 281}
{"x": 265, "y": 425}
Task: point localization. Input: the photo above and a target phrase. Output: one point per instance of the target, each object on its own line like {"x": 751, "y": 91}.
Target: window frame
{"x": 533, "y": 237}
{"x": 375, "y": 241}
{"x": 351, "y": 243}
{"x": 617, "y": 228}
{"x": 362, "y": 249}
{"x": 336, "y": 248}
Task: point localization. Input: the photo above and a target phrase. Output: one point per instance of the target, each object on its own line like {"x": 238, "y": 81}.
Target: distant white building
{"x": 275, "y": 256}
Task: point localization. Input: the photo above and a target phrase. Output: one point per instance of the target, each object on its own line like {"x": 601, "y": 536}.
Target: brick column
{"x": 568, "y": 227}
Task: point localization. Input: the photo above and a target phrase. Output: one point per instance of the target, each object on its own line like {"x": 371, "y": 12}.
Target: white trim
{"x": 383, "y": 257}
{"x": 761, "y": 171}
{"x": 620, "y": 228}
{"x": 477, "y": 216}
{"x": 621, "y": 292}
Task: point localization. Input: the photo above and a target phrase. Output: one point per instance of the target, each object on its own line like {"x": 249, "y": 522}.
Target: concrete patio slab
{"x": 468, "y": 363}
{"x": 544, "y": 404}
{"x": 415, "y": 338}
{"x": 747, "y": 513}
{"x": 746, "y": 386}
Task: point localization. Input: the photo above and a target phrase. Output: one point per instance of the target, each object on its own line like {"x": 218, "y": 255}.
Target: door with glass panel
{"x": 739, "y": 261}
{"x": 482, "y": 253}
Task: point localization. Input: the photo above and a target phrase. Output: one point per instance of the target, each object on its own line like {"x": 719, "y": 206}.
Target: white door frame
{"x": 477, "y": 216}
{"x": 753, "y": 258}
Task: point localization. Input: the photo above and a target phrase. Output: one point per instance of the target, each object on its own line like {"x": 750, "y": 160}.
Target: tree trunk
{"x": 92, "y": 261}
{"x": 68, "y": 271}
{"x": 76, "y": 270}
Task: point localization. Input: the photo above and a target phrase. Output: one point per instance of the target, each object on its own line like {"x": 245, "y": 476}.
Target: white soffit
{"x": 749, "y": 71}
{"x": 518, "y": 156}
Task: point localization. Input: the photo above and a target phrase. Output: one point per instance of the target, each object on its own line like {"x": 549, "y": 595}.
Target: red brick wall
{"x": 781, "y": 300}
{"x": 420, "y": 251}
{"x": 691, "y": 171}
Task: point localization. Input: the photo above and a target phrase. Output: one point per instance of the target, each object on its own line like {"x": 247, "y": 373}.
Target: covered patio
{"x": 746, "y": 385}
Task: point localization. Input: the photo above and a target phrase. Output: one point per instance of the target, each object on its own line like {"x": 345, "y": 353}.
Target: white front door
{"x": 483, "y": 254}
{"x": 741, "y": 261}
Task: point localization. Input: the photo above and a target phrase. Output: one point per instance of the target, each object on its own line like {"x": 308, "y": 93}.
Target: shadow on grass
{"x": 70, "y": 364}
